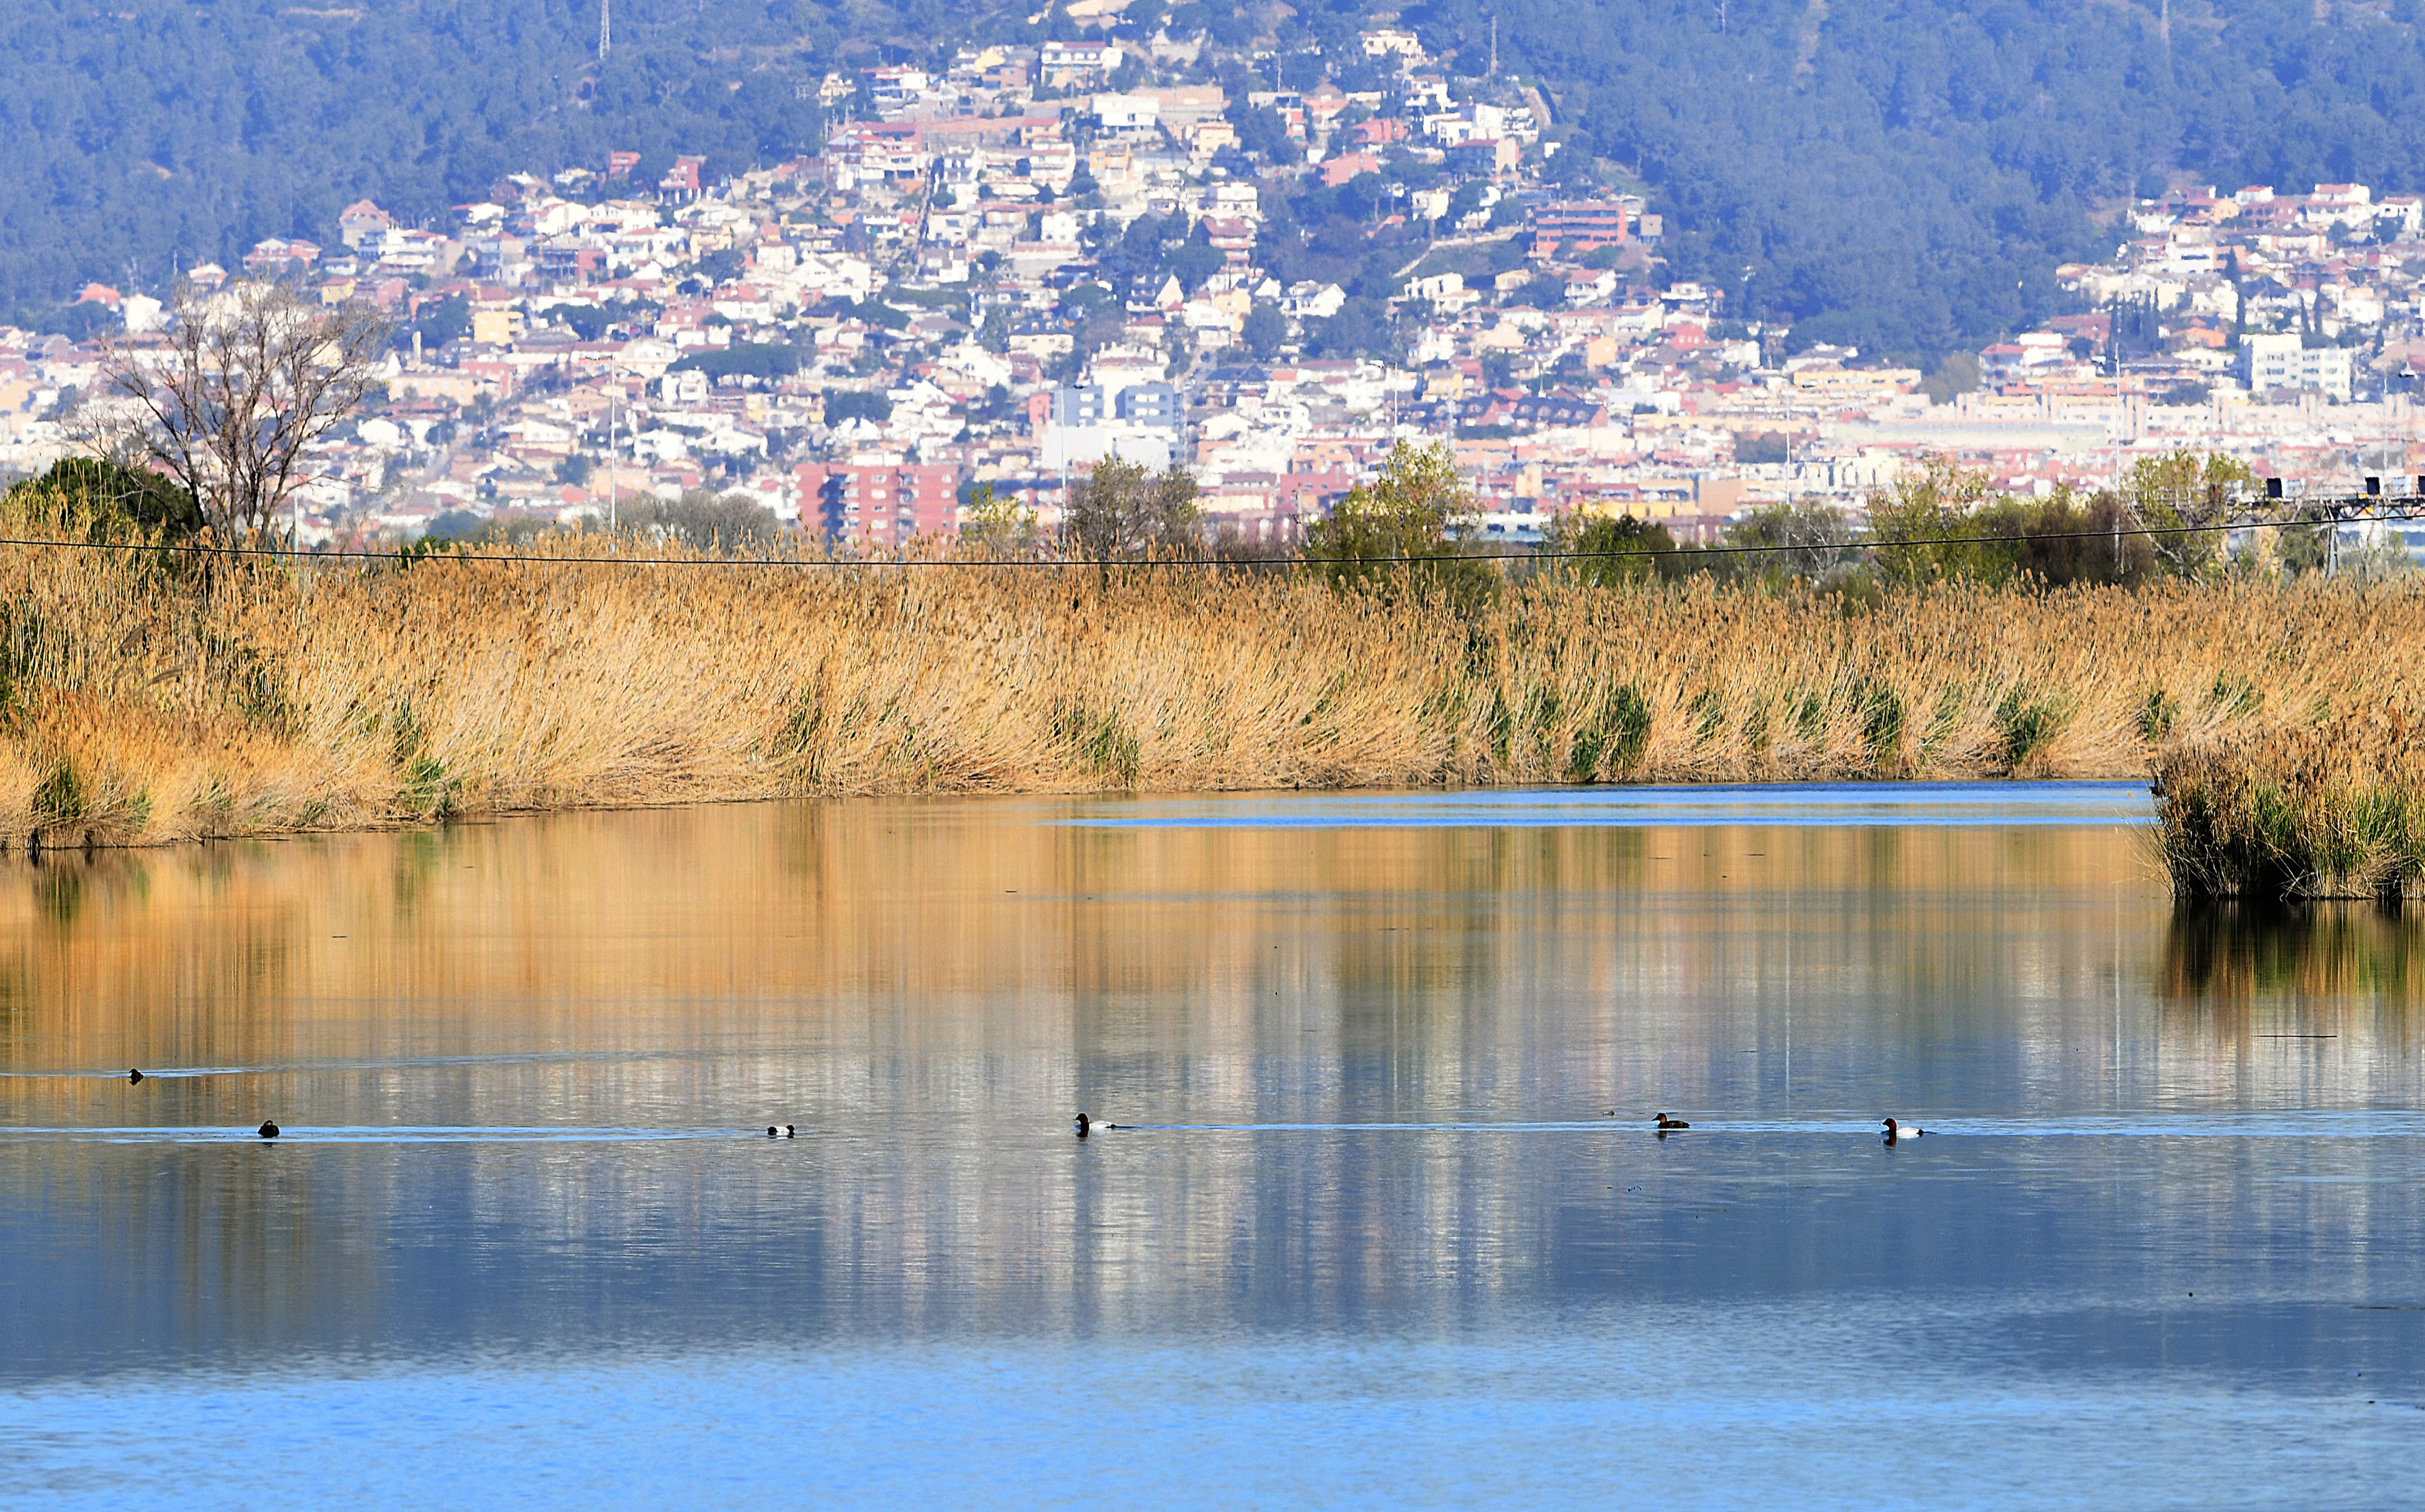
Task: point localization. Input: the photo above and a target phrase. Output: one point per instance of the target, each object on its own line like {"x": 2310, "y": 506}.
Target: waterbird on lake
{"x": 1666, "y": 1123}
{"x": 1902, "y": 1131}
{"x": 132, "y": 1075}
{"x": 784, "y": 1132}
{"x": 1082, "y": 1123}
{"x": 268, "y": 1130}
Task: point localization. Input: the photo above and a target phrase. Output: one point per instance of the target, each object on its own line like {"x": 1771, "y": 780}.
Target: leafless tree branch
{"x": 231, "y": 401}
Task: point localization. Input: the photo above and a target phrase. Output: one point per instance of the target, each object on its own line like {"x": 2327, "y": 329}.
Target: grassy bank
{"x": 2333, "y": 809}
{"x": 150, "y": 699}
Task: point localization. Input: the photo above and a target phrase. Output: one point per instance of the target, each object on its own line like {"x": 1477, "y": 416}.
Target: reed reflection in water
{"x": 525, "y": 1069}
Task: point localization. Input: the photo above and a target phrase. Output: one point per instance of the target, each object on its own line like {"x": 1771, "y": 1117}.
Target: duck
{"x": 1666, "y": 1123}
{"x": 133, "y": 1075}
{"x": 1902, "y": 1131}
{"x": 1082, "y": 1123}
{"x": 780, "y": 1131}
{"x": 268, "y": 1130}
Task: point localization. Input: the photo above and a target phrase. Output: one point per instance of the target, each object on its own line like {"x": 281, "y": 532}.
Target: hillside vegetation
{"x": 1904, "y": 174}
{"x": 1911, "y": 172}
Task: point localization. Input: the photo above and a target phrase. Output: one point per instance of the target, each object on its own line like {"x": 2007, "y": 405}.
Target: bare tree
{"x": 729, "y": 526}
{"x": 245, "y": 378}
{"x": 1124, "y": 511}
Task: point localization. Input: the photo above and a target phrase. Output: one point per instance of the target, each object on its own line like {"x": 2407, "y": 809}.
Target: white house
{"x": 1134, "y": 114}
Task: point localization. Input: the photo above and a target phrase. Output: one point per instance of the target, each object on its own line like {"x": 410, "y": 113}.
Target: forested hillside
{"x": 1913, "y": 170}
{"x": 142, "y": 130}
{"x": 1905, "y": 172}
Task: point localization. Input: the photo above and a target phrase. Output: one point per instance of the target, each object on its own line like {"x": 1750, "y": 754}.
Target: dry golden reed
{"x": 2331, "y": 809}
{"x": 151, "y": 699}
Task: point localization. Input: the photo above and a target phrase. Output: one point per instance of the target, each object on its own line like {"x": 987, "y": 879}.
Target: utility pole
{"x": 2113, "y": 365}
{"x": 610, "y": 466}
{"x": 2408, "y": 416}
{"x": 2113, "y": 428}
{"x": 1494, "y": 47}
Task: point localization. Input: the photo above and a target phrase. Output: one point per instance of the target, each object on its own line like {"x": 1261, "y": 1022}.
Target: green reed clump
{"x": 2330, "y": 810}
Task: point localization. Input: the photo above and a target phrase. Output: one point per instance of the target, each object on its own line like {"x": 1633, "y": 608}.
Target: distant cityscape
{"x": 860, "y": 338}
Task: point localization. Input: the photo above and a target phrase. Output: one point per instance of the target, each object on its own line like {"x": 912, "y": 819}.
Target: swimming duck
{"x": 132, "y": 1075}
{"x": 1082, "y": 1123}
{"x": 1666, "y": 1123}
{"x": 782, "y": 1130}
{"x": 1902, "y": 1131}
{"x": 268, "y": 1130}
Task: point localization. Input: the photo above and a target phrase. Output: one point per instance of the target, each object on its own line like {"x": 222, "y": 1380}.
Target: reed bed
{"x": 2334, "y": 808}
{"x": 150, "y": 699}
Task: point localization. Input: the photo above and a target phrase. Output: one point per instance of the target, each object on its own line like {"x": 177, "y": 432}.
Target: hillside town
{"x": 995, "y": 274}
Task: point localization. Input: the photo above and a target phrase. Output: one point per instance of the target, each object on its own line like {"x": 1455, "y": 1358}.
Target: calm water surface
{"x": 1397, "y": 1233}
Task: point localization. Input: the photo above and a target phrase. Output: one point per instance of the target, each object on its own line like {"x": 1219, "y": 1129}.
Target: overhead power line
{"x": 2416, "y": 512}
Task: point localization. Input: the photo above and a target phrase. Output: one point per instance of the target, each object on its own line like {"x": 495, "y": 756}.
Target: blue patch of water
{"x": 1835, "y": 805}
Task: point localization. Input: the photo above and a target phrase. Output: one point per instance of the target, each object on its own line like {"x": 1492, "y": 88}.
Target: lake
{"x": 1393, "y": 1229}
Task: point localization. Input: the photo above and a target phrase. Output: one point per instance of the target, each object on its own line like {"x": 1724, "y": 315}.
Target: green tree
{"x": 996, "y": 526}
{"x": 1405, "y": 530}
{"x": 1942, "y": 523}
{"x": 2185, "y": 499}
{"x": 1957, "y": 375}
{"x": 846, "y": 404}
{"x": 586, "y": 321}
{"x": 1930, "y": 515}
{"x": 438, "y": 322}
{"x": 1262, "y": 130}
{"x": 106, "y": 499}
{"x": 2066, "y": 539}
{"x": 1361, "y": 329}
{"x": 1265, "y": 327}
{"x": 1192, "y": 262}
{"x": 1609, "y": 550}
{"x": 762, "y": 360}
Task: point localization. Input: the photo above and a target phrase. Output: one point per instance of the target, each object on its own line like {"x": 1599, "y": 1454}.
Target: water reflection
{"x": 2360, "y": 953}
{"x": 2139, "y": 1106}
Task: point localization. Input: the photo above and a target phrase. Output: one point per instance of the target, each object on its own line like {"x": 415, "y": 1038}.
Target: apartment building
{"x": 2280, "y": 360}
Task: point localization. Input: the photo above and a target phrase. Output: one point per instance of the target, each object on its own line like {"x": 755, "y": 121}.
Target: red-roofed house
{"x": 1339, "y": 169}
{"x": 276, "y": 254}
{"x": 359, "y": 220}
